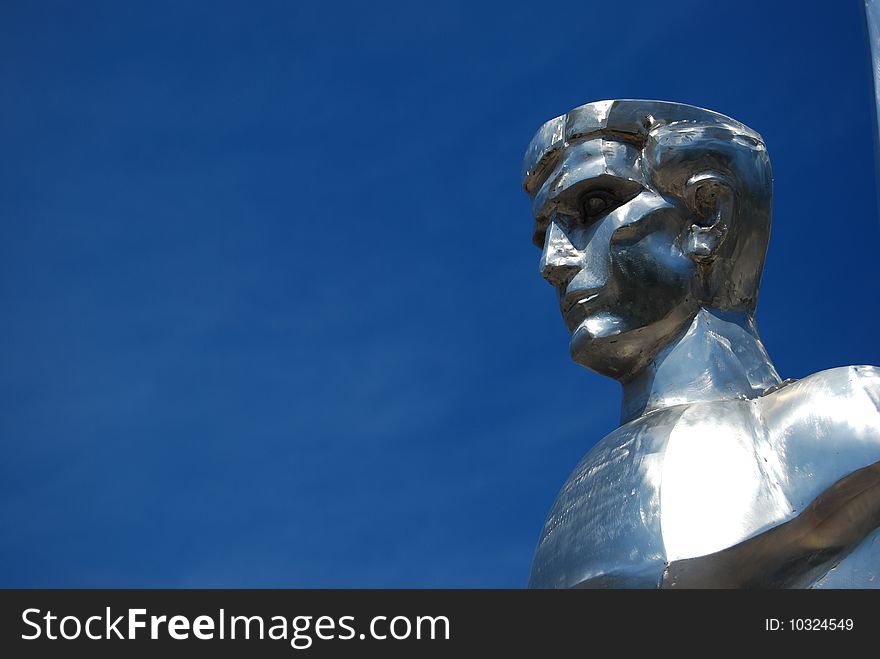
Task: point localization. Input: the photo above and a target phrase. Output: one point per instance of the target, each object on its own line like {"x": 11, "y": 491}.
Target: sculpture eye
{"x": 597, "y": 202}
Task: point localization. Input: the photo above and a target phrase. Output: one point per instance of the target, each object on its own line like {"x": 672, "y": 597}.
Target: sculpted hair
{"x": 722, "y": 174}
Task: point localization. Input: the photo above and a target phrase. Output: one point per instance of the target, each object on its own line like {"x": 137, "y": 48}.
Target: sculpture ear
{"x": 709, "y": 196}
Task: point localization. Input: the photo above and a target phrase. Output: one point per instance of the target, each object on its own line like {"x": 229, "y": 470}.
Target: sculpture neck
{"x": 718, "y": 356}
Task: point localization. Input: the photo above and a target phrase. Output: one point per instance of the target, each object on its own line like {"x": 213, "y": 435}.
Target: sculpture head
{"x": 646, "y": 211}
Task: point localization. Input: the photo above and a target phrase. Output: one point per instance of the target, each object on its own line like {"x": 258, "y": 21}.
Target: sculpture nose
{"x": 560, "y": 260}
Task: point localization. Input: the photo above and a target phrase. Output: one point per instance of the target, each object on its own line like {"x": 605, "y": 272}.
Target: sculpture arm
{"x": 792, "y": 554}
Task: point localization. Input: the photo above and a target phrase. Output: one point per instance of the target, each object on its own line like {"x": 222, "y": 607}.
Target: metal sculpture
{"x": 653, "y": 219}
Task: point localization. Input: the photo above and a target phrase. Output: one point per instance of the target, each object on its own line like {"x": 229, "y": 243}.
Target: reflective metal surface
{"x": 653, "y": 219}
{"x": 872, "y": 14}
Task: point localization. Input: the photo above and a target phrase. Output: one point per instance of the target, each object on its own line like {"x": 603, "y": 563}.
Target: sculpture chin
{"x": 607, "y": 343}
{"x": 604, "y": 346}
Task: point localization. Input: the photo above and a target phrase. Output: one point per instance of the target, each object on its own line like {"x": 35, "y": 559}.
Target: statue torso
{"x": 694, "y": 479}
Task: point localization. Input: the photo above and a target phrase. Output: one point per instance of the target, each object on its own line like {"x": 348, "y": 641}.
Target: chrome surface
{"x": 653, "y": 219}
{"x": 872, "y": 14}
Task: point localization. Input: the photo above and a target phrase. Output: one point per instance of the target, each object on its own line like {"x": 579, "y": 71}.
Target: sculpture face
{"x": 613, "y": 250}
{"x": 646, "y": 211}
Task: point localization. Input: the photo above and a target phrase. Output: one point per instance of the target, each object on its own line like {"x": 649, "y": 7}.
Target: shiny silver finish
{"x": 653, "y": 219}
{"x": 872, "y": 13}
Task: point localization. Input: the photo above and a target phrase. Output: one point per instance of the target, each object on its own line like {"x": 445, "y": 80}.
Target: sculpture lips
{"x": 572, "y": 306}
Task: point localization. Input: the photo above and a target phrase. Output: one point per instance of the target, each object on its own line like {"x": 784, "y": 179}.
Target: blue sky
{"x": 271, "y": 312}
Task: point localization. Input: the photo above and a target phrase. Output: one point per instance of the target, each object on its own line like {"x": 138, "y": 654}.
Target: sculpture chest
{"x": 675, "y": 484}
{"x": 692, "y": 480}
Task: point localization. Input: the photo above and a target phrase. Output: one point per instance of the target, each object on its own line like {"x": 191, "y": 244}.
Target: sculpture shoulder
{"x": 858, "y": 383}
{"x": 840, "y": 406}
{"x": 824, "y": 427}
{"x": 605, "y": 523}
